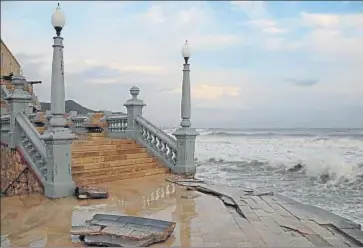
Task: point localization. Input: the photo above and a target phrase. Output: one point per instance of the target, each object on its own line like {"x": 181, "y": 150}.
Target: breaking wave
{"x": 322, "y": 173}
{"x": 321, "y": 134}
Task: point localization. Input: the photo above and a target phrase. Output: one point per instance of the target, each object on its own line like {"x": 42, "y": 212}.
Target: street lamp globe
{"x": 58, "y": 20}
{"x": 186, "y": 52}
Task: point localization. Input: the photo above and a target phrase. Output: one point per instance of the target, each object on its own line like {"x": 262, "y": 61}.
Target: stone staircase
{"x": 98, "y": 159}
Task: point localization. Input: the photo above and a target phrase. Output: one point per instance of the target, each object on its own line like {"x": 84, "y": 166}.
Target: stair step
{"x": 94, "y": 147}
{"x": 111, "y": 158}
{"x": 78, "y": 154}
{"x": 113, "y": 163}
{"x": 114, "y": 170}
{"x": 123, "y": 176}
{"x": 103, "y": 141}
{"x": 102, "y": 147}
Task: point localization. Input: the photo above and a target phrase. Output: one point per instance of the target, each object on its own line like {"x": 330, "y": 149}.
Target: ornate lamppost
{"x": 185, "y": 135}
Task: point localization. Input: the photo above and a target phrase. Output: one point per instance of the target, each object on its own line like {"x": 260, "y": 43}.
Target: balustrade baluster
{"x": 112, "y": 123}
{"x": 173, "y": 157}
{"x": 144, "y": 133}
{"x": 156, "y": 142}
{"x": 119, "y": 125}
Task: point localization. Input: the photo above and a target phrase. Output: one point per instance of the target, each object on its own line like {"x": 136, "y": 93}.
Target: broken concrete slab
{"x": 85, "y": 230}
{"x": 109, "y": 241}
{"x": 90, "y": 193}
{"x": 118, "y": 230}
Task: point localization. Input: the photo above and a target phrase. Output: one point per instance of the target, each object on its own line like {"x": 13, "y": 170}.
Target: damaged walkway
{"x": 205, "y": 215}
{"x": 268, "y": 220}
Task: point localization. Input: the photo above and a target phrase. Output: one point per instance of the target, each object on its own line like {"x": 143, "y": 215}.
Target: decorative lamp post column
{"x": 57, "y": 137}
{"x": 185, "y": 135}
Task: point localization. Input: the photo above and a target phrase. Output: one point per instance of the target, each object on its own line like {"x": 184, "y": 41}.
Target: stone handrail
{"x": 116, "y": 123}
{"x": 5, "y": 91}
{"x": 5, "y": 123}
{"x": 32, "y": 116}
{"x": 31, "y": 145}
{"x": 78, "y": 123}
{"x": 32, "y": 133}
{"x": 158, "y": 142}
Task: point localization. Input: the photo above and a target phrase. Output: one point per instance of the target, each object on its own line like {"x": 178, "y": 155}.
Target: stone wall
{"x": 12, "y": 164}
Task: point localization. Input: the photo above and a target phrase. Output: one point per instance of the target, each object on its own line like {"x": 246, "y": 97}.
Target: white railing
{"x": 5, "y": 123}
{"x": 32, "y": 145}
{"x": 157, "y": 140}
{"x": 116, "y": 123}
{"x": 78, "y": 123}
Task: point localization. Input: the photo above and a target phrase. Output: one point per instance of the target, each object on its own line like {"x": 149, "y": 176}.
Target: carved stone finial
{"x": 134, "y": 91}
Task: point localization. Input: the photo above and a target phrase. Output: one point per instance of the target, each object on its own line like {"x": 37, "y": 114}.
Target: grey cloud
{"x": 303, "y": 82}
{"x": 100, "y": 72}
{"x": 164, "y": 108}
{"x": 32, "y": 65}
{"x": 26, "y": 58}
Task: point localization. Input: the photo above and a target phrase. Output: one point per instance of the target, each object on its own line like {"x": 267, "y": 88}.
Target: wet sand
{"x": 202, "y": 220}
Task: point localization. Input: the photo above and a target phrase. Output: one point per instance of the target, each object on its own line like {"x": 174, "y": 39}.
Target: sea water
{"x": 331, "y": 175}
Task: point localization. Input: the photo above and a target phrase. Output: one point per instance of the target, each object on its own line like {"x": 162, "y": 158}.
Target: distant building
{"x": 9, "y": 64}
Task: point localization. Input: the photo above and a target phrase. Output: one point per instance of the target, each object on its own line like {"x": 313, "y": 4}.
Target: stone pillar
{"x": 134, "y": 108}
{"x": 57, "y": 86}
{"x": 30, "y": 108}
{"x": 57, "y": 137}
{"x": 185, "y": 135}
{"x": 18, "y": 100}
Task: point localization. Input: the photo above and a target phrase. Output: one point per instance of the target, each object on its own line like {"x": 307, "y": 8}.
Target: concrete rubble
{"x": 117, "y": 231}
{"x": 90, "y": 193}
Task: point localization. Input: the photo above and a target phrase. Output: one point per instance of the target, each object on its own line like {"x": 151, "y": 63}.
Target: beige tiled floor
{"x": 202, "y": 220}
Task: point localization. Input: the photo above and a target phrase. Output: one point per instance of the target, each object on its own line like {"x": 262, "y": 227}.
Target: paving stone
{"x": 252, "y": 235}
{"x": 271, "y": 224}
{"x": 117, "y": 231}
{"x": 317, "y": 240}
{"x": 262, "y": 213}
{"x": 248, "y": 213}
{"x": 85, "y": 230}
{"x": 261, "y": 204}
{"x": 336, "y": 242}
{"x": 356, "y": 235}
{"x": 292, "y": 223}
{"x": 106, "y": 240}
{"x": 318, "y": 229}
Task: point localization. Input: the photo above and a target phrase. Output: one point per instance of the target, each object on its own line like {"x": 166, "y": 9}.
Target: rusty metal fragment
{"x": 90, "y": 193}
{"x": 118, "y": 230}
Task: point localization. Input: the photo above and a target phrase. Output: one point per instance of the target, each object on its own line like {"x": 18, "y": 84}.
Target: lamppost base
{"x": 185, "y": 139}
{"x": 187, "y": 170}
{"x": 59, "y": 190}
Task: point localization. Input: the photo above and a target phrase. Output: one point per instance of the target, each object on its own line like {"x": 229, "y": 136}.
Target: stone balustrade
{"x": 32, "y": 146}
{"x": 156, "y": 140}
{"x": 77, "y": 125}
{"x": 5, "y": 123}
{"x": 116, "y": 123}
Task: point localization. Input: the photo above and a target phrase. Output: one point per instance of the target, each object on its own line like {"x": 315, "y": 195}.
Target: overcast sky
{"x": 253, "y": 64}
